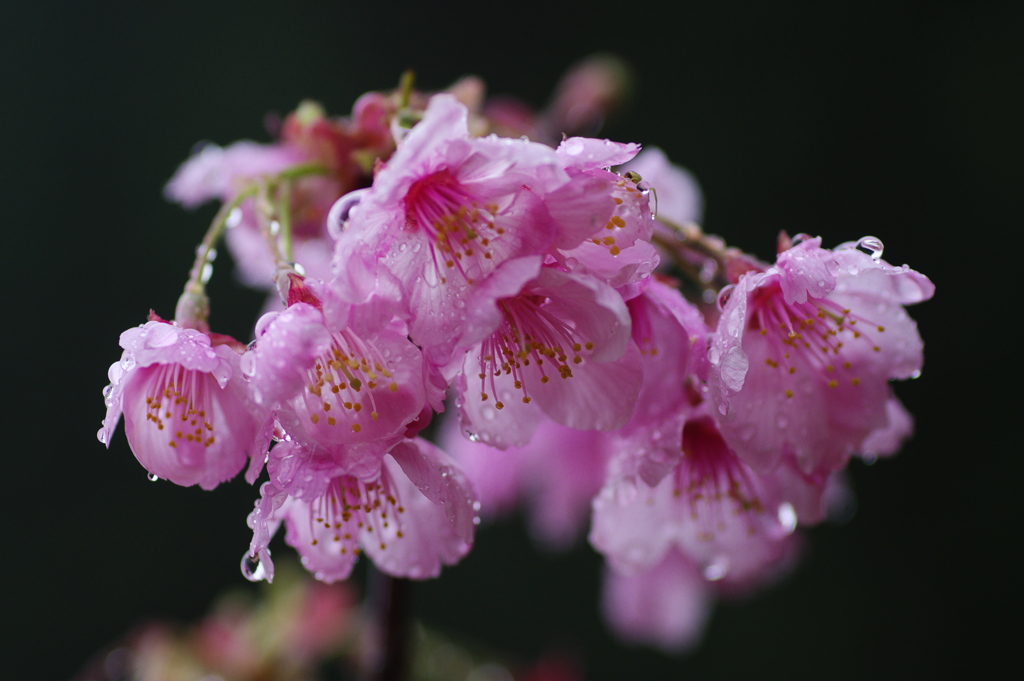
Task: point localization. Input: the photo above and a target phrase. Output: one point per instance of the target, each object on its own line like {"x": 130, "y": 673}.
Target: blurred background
{"x": 895, "y": 119}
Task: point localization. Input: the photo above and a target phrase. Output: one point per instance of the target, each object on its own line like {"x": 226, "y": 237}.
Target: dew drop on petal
{"x": 724, "y": 295}
{"x": 207, "y": 273}
{"x": 873, "y": 245}
{"x": 916, "y": 374}
{"x": 787, "y": 517}
{"x": 234, "y": 218}
{"x": 252, "y": 568}
{"x": 716, "y": 569}
{"x": 102, "y": 435}
{"x": 476, "y": 506}
{"x": 152, "y": 477}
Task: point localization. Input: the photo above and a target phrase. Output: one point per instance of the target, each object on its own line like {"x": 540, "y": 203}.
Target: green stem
{"x": 213, "y": 234}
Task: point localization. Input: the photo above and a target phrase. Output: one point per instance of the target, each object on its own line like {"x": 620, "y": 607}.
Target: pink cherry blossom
{"x": 333, "y": 382}
{"x": 804, "y": 352}
{"x": 185, "y": 411}
{"x": 732, "y": 522}
{"x": 415, "y": 513}
{"x": 555, "y": 343}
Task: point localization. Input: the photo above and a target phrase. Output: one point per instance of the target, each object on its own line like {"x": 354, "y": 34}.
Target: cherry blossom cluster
{"x": 597, "y": 356}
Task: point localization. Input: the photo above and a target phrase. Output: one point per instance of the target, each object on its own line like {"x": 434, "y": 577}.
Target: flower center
{"x": 710, "y": 477}
{"x": 179, "y": 402}
{"x": 811, "y": 334}
{"x": 350, "y": 506}
{"x": 342, "y": 381}
{"x": 460, "y": 229}
{"x": 529, "y": 342}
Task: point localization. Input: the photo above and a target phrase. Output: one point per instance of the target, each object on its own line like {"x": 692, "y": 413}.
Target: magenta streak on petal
{"x": 811, "y": 331}
{"x": 528, "y": 335}
{"x": 459, "y": 227}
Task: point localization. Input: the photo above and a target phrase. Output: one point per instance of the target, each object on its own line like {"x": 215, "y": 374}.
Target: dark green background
{"x": 896, "y": 119}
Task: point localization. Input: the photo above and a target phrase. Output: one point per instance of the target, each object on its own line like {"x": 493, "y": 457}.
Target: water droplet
{"x": 476, "y": 520}
{"x": 489, "y": 413}
{"x": 252, "y": 568}
{"x": 471, "y": 436}
{"x": 402, "y": 247}
{"x": 102, "y": 435}
{"x": 724, "y": 295}
{"x": 153, "y": 477}
{"x": 716, "y": 569}
{"x": 210, "y": 256}
{"x": 127, "y": 362}
{"x": 476, "y": 506}
{"x": 873, "y": 245}
{"x": 787, "y": 517}
{"x": 247, "y": 363}
{"x": 916, "y": 374}
{"x": 207, "y": 273}
{"x": 299, "y": 269}
{"x": 275, "y": 227}
{"x": 234, "y": 218}
{"x": 107, "y": 391}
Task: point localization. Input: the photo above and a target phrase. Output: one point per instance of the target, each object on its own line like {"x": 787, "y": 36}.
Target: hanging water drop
{"x": 247, "y": 364}
{"x": 234, "y": 218}
{"x": 252, "y": 568}
{"x": 716, "y": 569}
{"x": 916, "y": 374}
{"x": 787, "y": 517}
{"x": 102, "y": 435}
{"x": 153, "y": 477}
